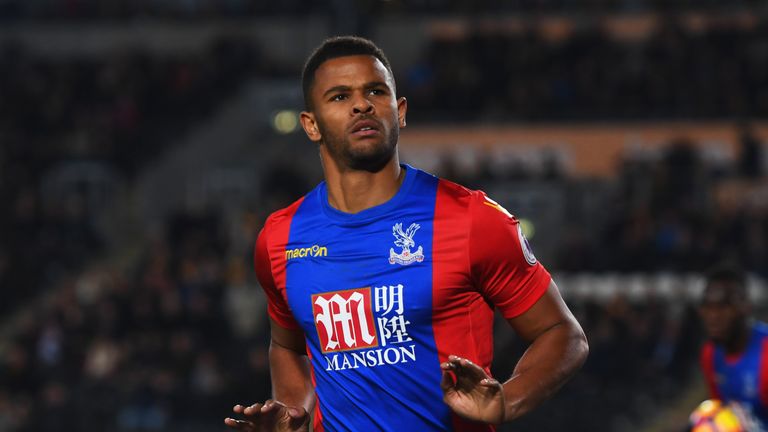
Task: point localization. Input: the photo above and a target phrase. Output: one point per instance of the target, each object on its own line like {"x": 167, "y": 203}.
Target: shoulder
{"x": 453, "y": 190}
{"x": 282, "y": 217}
{"x": 707, "y": 353}
{"x": 272, "y": 240}
{"x": 474, "y": 201}
{"x": 449, "y": 191}
{"x": 274, "y": 233}
{"x": 708, "y": 348}
{"x": 486, "y": 219}
{"x": 761, "y": 329}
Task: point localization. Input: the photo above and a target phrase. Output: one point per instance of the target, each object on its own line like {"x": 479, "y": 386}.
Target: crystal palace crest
{"x": 404, "y": 240}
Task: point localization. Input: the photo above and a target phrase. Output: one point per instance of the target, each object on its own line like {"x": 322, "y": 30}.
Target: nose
{"x": 362, "y": 106}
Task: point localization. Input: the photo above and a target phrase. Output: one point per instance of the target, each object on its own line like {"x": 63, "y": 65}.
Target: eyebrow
{"x": 344, "y": 88}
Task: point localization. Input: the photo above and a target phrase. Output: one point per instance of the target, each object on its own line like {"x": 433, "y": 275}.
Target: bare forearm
{"x": 551, "y": 360}
{"x": 291, "y": 381}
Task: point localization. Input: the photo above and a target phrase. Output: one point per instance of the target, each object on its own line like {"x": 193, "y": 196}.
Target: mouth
{"x": 365, "y": 128}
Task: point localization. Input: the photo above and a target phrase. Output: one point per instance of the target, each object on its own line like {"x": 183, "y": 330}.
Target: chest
{"x": 373, "y": 284}
{"x": 739, "y": 379}
{"x": 360, "y": 282}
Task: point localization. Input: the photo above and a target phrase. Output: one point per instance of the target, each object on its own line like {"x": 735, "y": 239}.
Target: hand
{"x": 470, "y": 392}
{"x": 271, "y": 416}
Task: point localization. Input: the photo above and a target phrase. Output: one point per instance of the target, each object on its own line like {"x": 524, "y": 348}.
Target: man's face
{"x": 355, "y": 113}
{"x": 723, "y": 311}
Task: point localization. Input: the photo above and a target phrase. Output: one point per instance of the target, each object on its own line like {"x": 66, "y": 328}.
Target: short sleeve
{"x": 707, "y": 363}
{"x": 277, "y": 304}
{"x": 502, "y": 263}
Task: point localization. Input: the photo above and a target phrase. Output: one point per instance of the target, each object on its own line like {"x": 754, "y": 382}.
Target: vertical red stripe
{"x": 763, "y": 373}
{"x": 269, "y": 263}
{"x": 708, "y": 368}
{"x": 461, "y": 320}
{"x": 278, "y": 240}
{"x": 279, "y": 236}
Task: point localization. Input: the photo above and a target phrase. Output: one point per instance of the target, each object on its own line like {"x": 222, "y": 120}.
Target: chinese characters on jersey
{"x": 345, "y": 322}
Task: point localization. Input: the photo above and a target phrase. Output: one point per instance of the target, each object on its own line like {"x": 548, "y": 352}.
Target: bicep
{"x": 290, "y": 339}
{"x": 548, "y": 312}
{"x": 289, "y": 367}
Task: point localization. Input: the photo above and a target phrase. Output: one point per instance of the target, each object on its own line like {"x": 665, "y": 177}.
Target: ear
{"x": 402, "y": 107}
{"x": 309, "y": 124}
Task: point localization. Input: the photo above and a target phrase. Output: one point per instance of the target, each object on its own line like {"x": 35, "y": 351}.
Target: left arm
{"x": 558, "y": 349}
{"x": 503, "y": 268}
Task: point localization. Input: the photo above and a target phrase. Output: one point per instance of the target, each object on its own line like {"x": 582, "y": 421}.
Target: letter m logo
{"x": 344, "y": 320}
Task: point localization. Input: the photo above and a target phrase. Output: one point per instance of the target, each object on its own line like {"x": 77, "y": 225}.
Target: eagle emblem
{"x": 404, "y": 240}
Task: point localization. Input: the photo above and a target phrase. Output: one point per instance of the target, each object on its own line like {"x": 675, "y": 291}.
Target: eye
{"x": 338, "y": 97}
{"x": 377, "y": 92}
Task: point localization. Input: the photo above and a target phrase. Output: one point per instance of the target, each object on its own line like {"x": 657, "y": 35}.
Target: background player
{"x": 735, "y": 359}
{"x": 478, "y": 260}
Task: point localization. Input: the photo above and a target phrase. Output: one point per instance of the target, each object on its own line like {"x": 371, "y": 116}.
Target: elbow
{"x": 580, "y": 346}
{"x": 583, "y": 349}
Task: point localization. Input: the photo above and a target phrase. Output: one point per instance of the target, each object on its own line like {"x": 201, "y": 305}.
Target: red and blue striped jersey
{"x": 383, "y": 296}
{"x": 741, "y": 378}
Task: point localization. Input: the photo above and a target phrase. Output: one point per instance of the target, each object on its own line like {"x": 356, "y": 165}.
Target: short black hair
{"x": 731, "y": 274}
{"x": 331, "y": 48}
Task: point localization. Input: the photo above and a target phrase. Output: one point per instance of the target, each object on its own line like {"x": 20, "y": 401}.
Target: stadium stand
{"x": 74, "y": 129}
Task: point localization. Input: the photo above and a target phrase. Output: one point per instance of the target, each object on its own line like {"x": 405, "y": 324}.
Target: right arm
{"x": 288, "y": 363}
{"x": 289, "y": 368}
{"x": 292, "y": 395}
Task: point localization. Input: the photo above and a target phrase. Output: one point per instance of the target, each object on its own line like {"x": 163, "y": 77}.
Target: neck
{"x": 353, "y": 191}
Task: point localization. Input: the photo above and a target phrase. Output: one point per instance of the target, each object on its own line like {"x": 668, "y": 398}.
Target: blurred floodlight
{"x": 529, "y": 230}
{"x": 285, "y": 121}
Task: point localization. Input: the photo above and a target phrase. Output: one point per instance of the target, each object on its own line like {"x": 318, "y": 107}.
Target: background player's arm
{"x": 558, "y": 349}
{"x": 289, "y": 368}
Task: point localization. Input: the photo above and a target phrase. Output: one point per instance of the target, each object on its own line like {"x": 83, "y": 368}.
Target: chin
{"x": 369, "y": 164}
{"x": 370, "y": 159}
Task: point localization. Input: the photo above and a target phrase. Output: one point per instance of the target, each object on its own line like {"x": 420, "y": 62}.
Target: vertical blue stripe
{"x": 405, "y": 394}
{"x": 739, "y": 380}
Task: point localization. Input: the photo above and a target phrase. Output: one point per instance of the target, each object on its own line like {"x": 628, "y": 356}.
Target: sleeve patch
{"x": 530, "y": 258}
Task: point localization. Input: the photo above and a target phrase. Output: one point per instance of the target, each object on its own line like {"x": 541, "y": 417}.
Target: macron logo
{"x": 313, "y": 251}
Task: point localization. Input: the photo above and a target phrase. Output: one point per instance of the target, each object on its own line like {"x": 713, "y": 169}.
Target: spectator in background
{"x": 751, "y": 153}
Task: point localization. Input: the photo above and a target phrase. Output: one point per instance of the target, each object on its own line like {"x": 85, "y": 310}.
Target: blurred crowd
{"x": 678, "y": 208}
{"x": 678, "y": 212}
{"x": 170, "y": 344}
{"x": 120, "y": 108}
{"x": 674, "y": 72}
{"x": 207, "y": 9}
{"x": 72, "y": 129}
